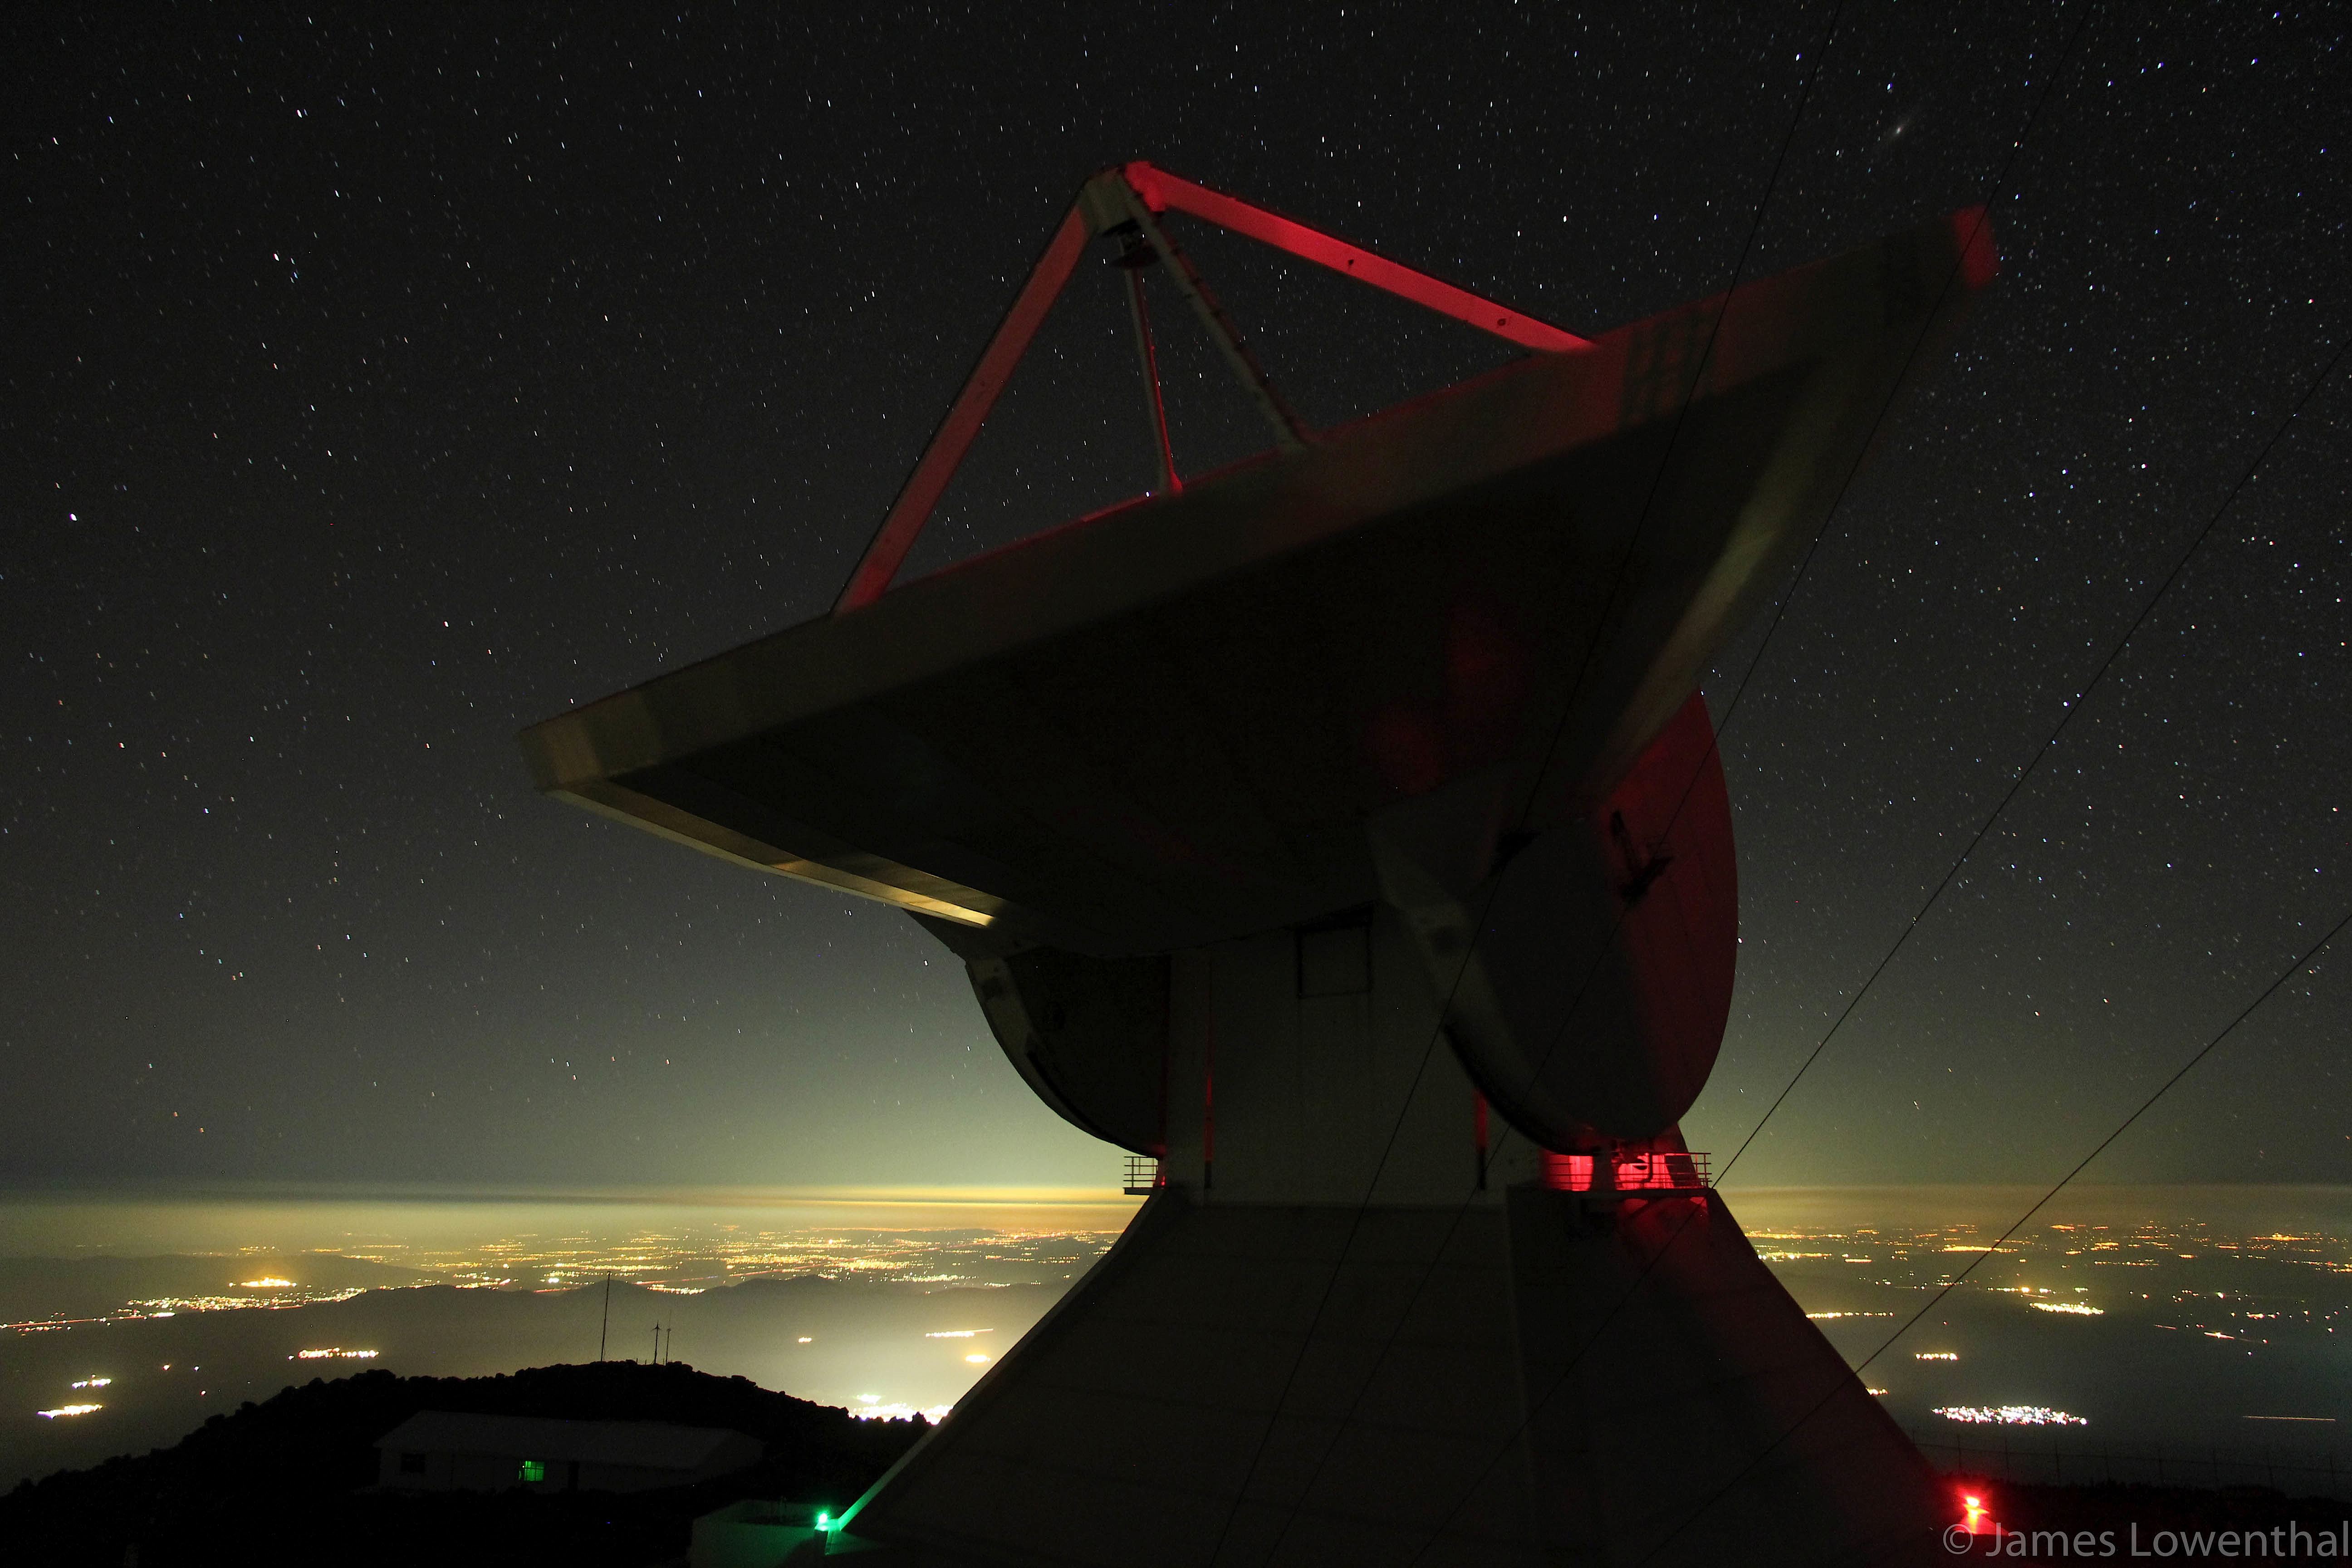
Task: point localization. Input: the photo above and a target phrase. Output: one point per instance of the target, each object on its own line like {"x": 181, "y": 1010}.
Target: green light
{"x": 533, "y": 1470}
{"x": 825, "y": 1521}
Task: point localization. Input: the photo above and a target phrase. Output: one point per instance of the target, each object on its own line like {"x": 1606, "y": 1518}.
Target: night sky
{"x": 373, "y": 391}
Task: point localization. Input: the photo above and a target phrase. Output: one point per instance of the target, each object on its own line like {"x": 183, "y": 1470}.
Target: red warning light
{"x": 1976, "y": 1514}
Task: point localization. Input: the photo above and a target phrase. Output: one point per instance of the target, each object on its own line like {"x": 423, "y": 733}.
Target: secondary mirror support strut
{"x": 1137, "y": 256}
{"x": 1132, "y": 196}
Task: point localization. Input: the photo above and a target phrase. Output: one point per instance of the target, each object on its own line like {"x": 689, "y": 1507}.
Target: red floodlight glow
{"x": 1628, "y": 1170}
{"x": 1568, "y": 1172}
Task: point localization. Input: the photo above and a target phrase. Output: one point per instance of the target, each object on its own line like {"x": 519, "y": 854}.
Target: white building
{"x": 442, "y": 1450}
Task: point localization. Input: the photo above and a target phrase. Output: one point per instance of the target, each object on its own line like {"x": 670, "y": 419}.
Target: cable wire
{"x": 2269, "y": 446}
{"x": 2297, "y": 967}
{"x": 2073, "y": 706}
{"x": 2000, "y": 182}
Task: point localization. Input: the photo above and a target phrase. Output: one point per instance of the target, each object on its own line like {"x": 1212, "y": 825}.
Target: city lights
{"x": 686, "y": 1264}
{"x": 879, "y": 1411}
{"x": 294, "y": 1296}
{"x": 67, "y": 1410}
{"x": 2058, "y": 1284}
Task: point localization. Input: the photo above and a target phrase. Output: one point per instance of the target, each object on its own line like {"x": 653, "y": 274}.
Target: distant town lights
{"x": 93, "y": 1382}
{"x": 900, "y": 1412}
{"x": 67, "y": 1410}
{"x": 2010, "y": 1415}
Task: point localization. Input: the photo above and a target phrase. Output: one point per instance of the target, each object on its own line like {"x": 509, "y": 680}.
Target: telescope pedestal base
{"x": 1534, "y": 1380}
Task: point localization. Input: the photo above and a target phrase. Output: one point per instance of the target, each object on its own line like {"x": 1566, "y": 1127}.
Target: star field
{"x": 375, "y": 388}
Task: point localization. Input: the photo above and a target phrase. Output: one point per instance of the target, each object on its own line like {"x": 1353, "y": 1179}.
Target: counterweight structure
{"x": 1341, "y": 834}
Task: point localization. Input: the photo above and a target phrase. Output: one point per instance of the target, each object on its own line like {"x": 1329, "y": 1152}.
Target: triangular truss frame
{"x": 1124, "y": 204}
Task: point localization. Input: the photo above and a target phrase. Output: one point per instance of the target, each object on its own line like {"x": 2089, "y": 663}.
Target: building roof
{"x": 648, "y": 1445}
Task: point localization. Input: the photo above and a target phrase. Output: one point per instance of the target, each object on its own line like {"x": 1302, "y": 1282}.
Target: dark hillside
{"x": 282, "y": 1481}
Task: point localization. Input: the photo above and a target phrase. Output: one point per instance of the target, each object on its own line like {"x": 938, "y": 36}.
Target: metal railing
{"x": 1656, "y": 1173}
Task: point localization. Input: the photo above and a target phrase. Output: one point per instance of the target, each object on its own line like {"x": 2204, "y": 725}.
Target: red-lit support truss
{"x": 1125, "y": 203}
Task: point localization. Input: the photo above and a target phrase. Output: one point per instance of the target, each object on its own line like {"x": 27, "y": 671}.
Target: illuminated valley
{"x": 2113, "y": 1338}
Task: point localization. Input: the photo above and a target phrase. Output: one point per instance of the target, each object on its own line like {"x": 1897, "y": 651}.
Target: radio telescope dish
{"x": 1290, "y": 820}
